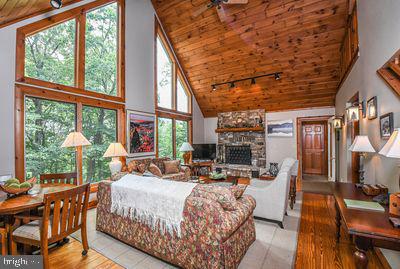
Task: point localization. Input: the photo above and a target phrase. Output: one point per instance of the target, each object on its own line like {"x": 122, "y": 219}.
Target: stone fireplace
{"x": 241, "y": 140}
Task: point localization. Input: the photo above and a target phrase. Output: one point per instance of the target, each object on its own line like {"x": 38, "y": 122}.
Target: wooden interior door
{"x": 314, "y": 148}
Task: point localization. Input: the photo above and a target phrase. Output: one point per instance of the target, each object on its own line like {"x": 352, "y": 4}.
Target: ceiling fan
{"x": 218, "y": 4}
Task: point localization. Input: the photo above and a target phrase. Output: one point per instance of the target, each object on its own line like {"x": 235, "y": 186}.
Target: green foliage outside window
{"x": 47, "y": 124}
{"x": 165, "y": 138}
{"x": 101, "y": 50}
{"x": 99, "y": 127}
{"x": 49, "y": 54}
{"x": 181, "y": 137}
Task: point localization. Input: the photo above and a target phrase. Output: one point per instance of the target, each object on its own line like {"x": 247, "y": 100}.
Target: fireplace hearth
{"x": 238, "y": 155}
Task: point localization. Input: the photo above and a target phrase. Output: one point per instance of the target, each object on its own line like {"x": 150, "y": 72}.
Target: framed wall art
{"x": 386, "y": 125}
{"x": 141, "y": 133}
{"x": 282, "y": 128}
{"x": 372, "y": 108}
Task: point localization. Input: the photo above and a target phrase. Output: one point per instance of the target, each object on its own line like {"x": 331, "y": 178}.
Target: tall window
{"x": 101, "y": 50}
{"x": 99, "y": 126}
{"x": 173, "y": 102}
{"x": 78, "y": 55}
{"x": 47, "y": 123}
{"x": 79, "y": 51}
{"x": 49, "y": 55}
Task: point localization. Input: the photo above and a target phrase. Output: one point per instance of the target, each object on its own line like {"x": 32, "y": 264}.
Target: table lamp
{"x": 187, "y": 149}
{"x": 392, "y": 147}
{"x": 75, "y": 140}
{"x": 115, "y": 150}
{"x": 362, "y": 145}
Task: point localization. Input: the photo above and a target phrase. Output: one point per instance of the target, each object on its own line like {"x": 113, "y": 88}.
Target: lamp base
{"x": 115, "y": 165}
{"x": 187, "y": 157}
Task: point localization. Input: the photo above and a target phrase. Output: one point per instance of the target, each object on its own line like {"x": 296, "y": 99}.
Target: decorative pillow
{"x": 155, "y": 170}
{"x": 172, "y": 167}
{"x": 159, "y": 162}
{"x": 132, "y": 166}
{"x": 141, "y": 168}
{"x": 238, "y": 190}
{"x": 222, "y": 195}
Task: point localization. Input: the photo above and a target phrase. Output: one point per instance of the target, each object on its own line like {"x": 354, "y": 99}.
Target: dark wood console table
{"x": 196, "y": 167}
{"x": 368, "y": 228}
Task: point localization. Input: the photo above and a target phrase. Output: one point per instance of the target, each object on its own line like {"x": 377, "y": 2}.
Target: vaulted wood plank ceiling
{"x": 300, "y": 38}
{"x": 14, "y": 10}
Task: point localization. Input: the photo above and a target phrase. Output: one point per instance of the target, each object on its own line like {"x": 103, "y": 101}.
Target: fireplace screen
{"x": 238, "y": 155}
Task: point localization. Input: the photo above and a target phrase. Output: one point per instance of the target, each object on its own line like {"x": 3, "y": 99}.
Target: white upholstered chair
{"x": 272, "y": 196}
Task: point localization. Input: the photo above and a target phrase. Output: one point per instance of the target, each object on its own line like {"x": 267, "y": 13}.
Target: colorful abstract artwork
{"x": 141, "y": 133}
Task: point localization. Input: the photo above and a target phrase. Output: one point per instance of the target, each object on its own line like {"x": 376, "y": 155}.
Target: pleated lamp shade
{"x": 392, "y": 147}
{"x": 361, "y": 144}
{"x": 115, "y": 150}
{"x": 75, "y": 139}
{"x": 186, "y": 147}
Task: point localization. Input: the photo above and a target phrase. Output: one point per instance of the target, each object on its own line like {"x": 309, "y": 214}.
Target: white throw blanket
{"x": 151, "y": 200}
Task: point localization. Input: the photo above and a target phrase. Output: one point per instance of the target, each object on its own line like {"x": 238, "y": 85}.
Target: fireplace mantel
{"x": 237, "y": 130}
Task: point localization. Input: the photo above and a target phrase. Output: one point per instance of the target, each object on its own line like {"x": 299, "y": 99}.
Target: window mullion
{"x": 80, "y": 51}
{"x": 79, "y": 153}
{"x": 174, "y": 138}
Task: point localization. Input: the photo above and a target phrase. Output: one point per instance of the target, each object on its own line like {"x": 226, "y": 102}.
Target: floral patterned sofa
{"x": 183, "y": 175}
{"x": 212, "y": 237}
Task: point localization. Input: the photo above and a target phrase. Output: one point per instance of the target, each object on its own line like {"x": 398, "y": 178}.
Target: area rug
{"x": 274, "y": 247}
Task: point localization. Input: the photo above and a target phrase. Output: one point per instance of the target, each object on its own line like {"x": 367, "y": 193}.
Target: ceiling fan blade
{"x": 197, "y": 12}
{"x": 233, "y": 2}
{"x": 221, "y": 13}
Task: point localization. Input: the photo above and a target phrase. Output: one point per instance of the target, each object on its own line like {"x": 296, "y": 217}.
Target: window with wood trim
{"x": 173, "y": 100}
{"x": 79, "y": 51}
{"x": 76, "y": 57}
{"x": 44, "y": 118}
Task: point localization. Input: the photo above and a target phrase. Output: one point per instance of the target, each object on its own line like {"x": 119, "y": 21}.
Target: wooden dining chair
{"x": 66, "y": 178}
{"x": 63, "y": 221}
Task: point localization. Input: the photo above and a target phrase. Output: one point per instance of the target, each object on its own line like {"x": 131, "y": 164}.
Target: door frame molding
{"x": 299, "y": 133}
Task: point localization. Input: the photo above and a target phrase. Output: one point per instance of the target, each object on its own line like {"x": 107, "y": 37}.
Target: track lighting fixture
{"x": 57, "y": 4}
{"x": 277, "y": 76}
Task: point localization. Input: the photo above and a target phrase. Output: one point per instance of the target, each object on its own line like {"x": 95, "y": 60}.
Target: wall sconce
{"x": 353, "y": 111}
{"x": 337, "y": 122}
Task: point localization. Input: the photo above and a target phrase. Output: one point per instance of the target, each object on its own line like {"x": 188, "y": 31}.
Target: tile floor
{"x": 273, "y": 248}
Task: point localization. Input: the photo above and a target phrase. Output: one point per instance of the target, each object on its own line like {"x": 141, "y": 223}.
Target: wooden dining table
{"x": 10, "y": 206}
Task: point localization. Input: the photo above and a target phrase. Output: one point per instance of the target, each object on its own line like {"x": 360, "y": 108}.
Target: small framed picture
{"x": 386, "y": 125}
{"x": 364, "y": 109}
{"x": 372, "y": 107}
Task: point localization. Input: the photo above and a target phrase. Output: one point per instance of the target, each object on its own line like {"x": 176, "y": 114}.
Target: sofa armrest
{"x": 104, "y": 195}
{"x": 204, "y": 216}
{"x": 187, "y": 171}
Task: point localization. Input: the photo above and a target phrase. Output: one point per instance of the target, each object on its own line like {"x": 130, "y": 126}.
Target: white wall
{"x": 198, "y": 124}
{"x": 277, "y": 148}
{"x": 139, "y": 62}
{"x": 379, "y": 22}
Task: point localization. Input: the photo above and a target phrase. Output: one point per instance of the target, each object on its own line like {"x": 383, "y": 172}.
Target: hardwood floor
{"x": 316, "y": 247}
{"x": 69, "y": 256}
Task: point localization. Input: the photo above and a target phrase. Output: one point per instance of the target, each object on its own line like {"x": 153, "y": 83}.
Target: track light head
{"x": 232, "y": 85}
{"x": 214, "y": 88}
{"x": 277, "y": 76}
{"x": 253, "y": 81}
{"x": 57, "y": 4}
